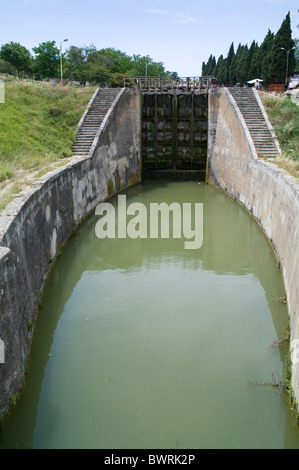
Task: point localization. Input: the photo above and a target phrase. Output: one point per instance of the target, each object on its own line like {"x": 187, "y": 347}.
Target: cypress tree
{"x": 219, "y": 69}
{"x": 213, "y": 66}
{"x": 210, "y": 67}
{"x": 241, "y": 66}
{"x": 236, "y": 61}
{"x": 264, "y": 56}
{"x": 253, "y": 62}
{"x": 224, "y": 72}
{"x": 232, "y": 68}
{"x": 278, "y": 57}
{"x": 231, "y": 54}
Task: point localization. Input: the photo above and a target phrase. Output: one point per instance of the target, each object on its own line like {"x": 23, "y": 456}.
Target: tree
{"x": 120, "y": 62}
{"x": 232, "y": 78}
{"x": 16, "y": 55}
{"x": 209, "y": 68}
{"x": 219, "y": 68}
{"x": 230, "y": 58}
{"x": 173, "y": 75}
{"x": 242, "y": 65}
{"x": 145, "y": 65}
{"x": 253, "y": 62}
{"x": 6, "y": 67}
{"x": 97, "y": 73}
{"x": 278, "y": 57}
{"x": 222, "y": 70}
{"x": 297, "y": 53}
{"x": 47, "y": 59}
{"x": 77, "y": 60}
{"x": 267, "y": 61}
{"x": 264, "y": 56}
{"x": 98, "y": 68}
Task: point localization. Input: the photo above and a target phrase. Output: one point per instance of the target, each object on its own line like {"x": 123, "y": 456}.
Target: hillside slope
{"x": 38, "y": 122}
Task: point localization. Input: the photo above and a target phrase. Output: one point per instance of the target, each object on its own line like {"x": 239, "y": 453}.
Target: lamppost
{"x": 288, "y": 53}
{"x": 61, "y": 79}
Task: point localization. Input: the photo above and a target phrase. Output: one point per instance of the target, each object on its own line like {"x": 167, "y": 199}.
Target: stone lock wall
{"x": 175, "y": 133}
{"x": 266, "y": 191}
{"x": 39, "y": 221}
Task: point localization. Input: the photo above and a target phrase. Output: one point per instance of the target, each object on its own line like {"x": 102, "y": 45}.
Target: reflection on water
{"x": 143, "y": 344}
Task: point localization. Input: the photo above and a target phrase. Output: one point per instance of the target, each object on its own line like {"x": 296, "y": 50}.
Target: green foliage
{"x": 296, "y": 53}
{"x": 145, "y": 65}
{"x": 221, "y": 70}
{"x": 13, "y": 399}
{"x": 76, "y": 62}
{"x": 284, "y": 116}
{"x": 47, "y": 59}
{"x": 16, "y": 55}
{"x": 264, "y": 55}
{"x": 37, "y": 125}
{"x": 6, "y": 67}
{"x": 120, "y": 62}
{"x": 106, "y": 67}
{"x": 267, "y": 61}
{"x": 241, "y": 64}
{"x": 277, "y": 65}
{"x": 210, "y": 66}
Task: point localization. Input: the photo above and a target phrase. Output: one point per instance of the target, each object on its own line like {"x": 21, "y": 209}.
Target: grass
{"x": 37, "y": 125}
{"x": 284, "y": 117}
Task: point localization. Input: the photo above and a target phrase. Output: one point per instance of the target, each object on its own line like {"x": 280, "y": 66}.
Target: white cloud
{"x": 156, "y": 11}
{"x": 176, "y": 17}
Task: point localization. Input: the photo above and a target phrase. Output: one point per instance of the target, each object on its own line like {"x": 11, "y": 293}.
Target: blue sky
{"x": 181, "y": 34}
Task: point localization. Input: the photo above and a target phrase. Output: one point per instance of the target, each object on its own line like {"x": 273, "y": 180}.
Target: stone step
{"x": 81, "y": 146}
{"x": 87, "y": 133}
{"x": 93, "y": 120}
{"x": 255, "y": 121}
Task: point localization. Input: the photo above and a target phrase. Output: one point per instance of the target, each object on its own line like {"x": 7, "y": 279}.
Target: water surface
{"x": 144, "y": 344}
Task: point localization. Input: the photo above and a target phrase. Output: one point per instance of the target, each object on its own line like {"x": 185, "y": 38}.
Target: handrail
{"x": 168, "y": 83}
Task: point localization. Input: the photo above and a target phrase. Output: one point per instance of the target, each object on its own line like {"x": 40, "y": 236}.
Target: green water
{"x": 144, "y": 344}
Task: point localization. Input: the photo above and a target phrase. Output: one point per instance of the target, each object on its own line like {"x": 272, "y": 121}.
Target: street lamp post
{"x": 61, "y": 78}
{"x": 288, "y": 53}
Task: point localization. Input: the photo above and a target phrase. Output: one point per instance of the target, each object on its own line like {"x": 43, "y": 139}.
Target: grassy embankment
{"x": 37, "y": 128}
{"x": 38, "y": 123}
{"x": 284, "y": 116}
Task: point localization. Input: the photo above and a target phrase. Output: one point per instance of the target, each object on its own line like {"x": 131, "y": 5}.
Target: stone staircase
{"x": 263, "y": 138}
{"x": 93, "y": 119}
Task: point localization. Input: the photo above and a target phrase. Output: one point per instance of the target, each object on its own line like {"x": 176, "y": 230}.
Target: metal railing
{"x": 164, "y": 84}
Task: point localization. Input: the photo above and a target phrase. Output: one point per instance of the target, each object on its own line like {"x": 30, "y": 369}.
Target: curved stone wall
{"x": 268, "y": 193}
{"x": 39, "y": 221}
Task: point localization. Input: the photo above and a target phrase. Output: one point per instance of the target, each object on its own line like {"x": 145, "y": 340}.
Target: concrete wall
{"x": 39, "y": 221}
{"x": 267, "y": 192}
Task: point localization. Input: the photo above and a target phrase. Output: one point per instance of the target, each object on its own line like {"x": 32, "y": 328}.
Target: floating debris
{"x": 276, "y": 344}
{"x": 282, "y": 300}
{"x": 277, "y": 383}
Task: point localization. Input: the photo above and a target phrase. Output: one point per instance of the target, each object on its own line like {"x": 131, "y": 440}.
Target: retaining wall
{"x": 39, "y": 221}
{"x": 267, "y": 192}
